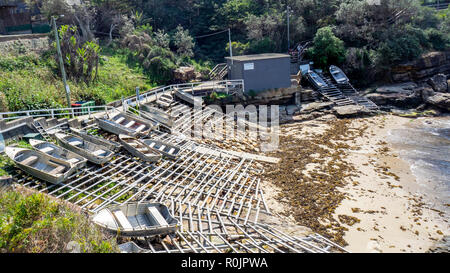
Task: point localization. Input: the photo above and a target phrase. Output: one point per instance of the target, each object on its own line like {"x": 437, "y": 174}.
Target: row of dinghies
{"x": 55, "y": 163}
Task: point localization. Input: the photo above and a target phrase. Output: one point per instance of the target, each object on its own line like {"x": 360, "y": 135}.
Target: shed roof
{"x": 245, "y": 58}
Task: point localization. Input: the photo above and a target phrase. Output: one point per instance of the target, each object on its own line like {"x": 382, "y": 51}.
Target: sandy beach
{"x": 376, "y": 208}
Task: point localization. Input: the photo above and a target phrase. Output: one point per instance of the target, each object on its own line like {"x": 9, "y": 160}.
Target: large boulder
{"x": 316, "y": 106}
{"x": 350, "y": 111}
{"x": 184, "y": 74}
{"x": 438, "y": 83}
{"x": 440, "y": 100}
{"x": 426, "y": 92}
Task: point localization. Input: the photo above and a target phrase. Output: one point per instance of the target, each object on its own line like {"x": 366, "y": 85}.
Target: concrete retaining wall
{"x": 21, "y": 44}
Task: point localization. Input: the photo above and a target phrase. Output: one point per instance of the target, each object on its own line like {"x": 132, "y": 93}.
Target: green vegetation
{"x": 32, "y": 223}
{"x": 146, "y": 40}
{"x": 328, "y": 49}
{"x": 6, "y": 165}
{"x": 30, "y": 82}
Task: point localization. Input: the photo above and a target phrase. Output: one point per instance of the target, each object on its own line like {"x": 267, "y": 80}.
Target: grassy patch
{"x": 32, "y": 82}
{"x": 31, "y": 222}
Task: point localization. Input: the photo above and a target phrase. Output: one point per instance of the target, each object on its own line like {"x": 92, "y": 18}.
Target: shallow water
{"x": 425, "y": 144}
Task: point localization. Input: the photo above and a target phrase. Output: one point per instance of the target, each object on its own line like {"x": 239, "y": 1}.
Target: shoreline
{"x": 399, "y": 220}
{"x": 382, "y": 210}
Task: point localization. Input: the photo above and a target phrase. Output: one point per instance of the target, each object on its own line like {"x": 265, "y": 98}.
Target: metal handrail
{"x": 183, "y": 86}
{"x": 55, "y": 112}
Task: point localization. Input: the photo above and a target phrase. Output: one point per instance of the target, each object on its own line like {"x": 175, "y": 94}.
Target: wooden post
{"x": 61, "y": 63}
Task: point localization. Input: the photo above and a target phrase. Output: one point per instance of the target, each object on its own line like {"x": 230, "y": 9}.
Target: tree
{"x": 328, "y": 49}
{"x": 184, "y": 42}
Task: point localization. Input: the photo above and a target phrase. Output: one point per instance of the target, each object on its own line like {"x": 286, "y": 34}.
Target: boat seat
{"x": 122, "y": 219}
{"x": 57, "y": 170}
{"x": 133, "y": 144}
{"x": 73, "y": 160}
{"x": 155, "y": 216}
{"x": 171, "y": 151}
{"x": 140, "y": 128}
{"x": 162, "y": 147}
{"x": 99, "y": 152}
{"x": 75, "y": 143}
{"x": 129, "y": 124}
{"x": 119, "y": 120}
{"x": 47, "y": 150}
{"x": 30, "y": 160}
{"x": 152, "y": 144}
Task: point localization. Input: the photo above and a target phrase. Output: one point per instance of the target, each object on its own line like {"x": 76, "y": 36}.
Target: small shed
{"x": 261, "y": 71}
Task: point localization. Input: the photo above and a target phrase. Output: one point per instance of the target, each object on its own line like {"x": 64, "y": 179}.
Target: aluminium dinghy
{"x": 40, "y": 165}
{"x": 137, "y": 219}
{"x": 165, "y": 100}
{"x": 122, "y": 123}
{"x": 158, "y": 115}
{"x": 166, "y": 149}
{"x": 54, "y": 150}
{"x": 111, "y": 145}
{"x": 338, "y": 75}
{"x": 316, "y": 80}
{"x": 139, "y": 149}
{"x": 95, "y": 153}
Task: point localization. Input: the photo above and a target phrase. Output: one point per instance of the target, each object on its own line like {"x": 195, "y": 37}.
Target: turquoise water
{"x": 425, "y": 144}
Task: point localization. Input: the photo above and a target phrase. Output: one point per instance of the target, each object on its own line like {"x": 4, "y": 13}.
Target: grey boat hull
{"x": 42, "y": 168}
{"x": 116, "y": 125}
{"x": 166, "y": 149}
{"x": 59, "y": 152}
{"x": 140, "y": 225}
{"x": 88, "y": 154}
{"x": 111, "y": 145}
{"x": 149, "y": 154}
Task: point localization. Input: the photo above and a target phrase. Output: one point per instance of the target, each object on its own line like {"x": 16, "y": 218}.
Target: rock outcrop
{"x": 404, "y": 95}
{"x": 440, "y": 100}
{"x": 424, "y": 67}
{"x": 439, "y": 83}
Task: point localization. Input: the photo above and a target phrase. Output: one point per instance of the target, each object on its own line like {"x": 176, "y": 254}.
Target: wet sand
{"x": 382, "y": 210}
{"x": 392, "y": 216}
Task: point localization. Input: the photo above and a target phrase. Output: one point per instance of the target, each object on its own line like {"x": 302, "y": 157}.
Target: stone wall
{"x": 21, "y": 44}
{"x": 424, "y": 67}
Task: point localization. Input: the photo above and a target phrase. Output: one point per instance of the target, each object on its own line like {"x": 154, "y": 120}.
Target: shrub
{"x": 327, "y": 49}
{"x": 31, "y": 222}
{"x": 438, "y": 39}
{"x": 401, "y": 46}
{"x": 266, "y": 45}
